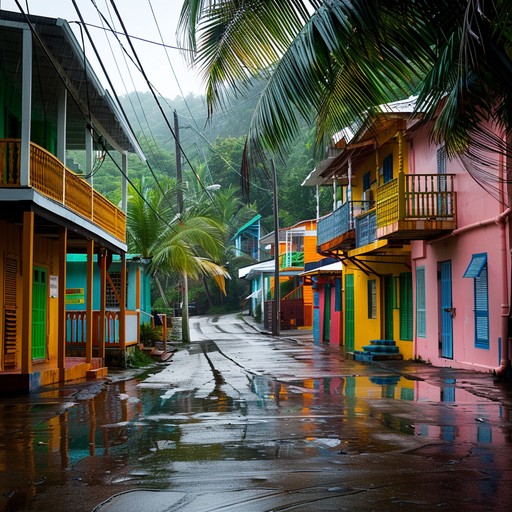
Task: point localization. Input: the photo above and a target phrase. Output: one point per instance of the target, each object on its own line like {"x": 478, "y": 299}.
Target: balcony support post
{"x": 88, "y": 304}
{"x": 26, "y": 108}
{"x": 401, "y": 199}
{"x": 61, "y": 352}
{"x": 122, "y": 305}
{"x": 89, "y": 153}
{"x": 124, "y": 166}
{"x": 28, "y": 279}
{"x": 102, "y": 257}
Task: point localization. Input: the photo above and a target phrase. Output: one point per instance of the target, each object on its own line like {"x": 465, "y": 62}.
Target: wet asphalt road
{"x": 241, "y": 421}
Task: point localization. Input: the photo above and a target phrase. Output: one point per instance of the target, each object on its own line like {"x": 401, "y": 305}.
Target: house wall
{"x": 367, "y": 329}
{"x": 474, "y": 205}
{"x": 46, "y": 255}
{"x": 76, "y": 278}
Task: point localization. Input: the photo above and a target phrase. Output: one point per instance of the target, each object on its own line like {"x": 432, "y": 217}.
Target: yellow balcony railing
{"x": 416, "y": 197}
{"x": 51, "y": 178}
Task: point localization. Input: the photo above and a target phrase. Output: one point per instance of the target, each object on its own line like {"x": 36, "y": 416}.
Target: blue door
{"x": 327, "y": 313}
{"x": 446, "y": 309}
{"x": 316, "y": 312}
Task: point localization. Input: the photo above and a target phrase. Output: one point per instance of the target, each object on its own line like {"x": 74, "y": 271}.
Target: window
{"x": 366, "y": 181}
{"x": 111, "y": 295}
{"x": 421, "y": 310}
{"x": 477, "y": 269}
{"x": 372, "y": 298}
{"x": 387, "y": 168}
{"x": 337, "y": 294}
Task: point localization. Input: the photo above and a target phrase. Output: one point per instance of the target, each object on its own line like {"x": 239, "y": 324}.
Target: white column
{"x": 89, "y": 155}
{"x": 26, "y": 108}
{"x": 61, "y": 125}
{"x": 124, "y": 166}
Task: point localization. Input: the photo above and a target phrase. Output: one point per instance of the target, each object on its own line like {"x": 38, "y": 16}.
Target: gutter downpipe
{"x": 504, "y": 371}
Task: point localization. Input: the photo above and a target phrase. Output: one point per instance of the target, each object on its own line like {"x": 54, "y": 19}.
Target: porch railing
{"x": 366, "y": 228}
{"x": 76, "y": 329}
{"x": 51, "y": 178}
{"x": 340, "y": 221}
{"x": 416, "y": 197}
{"x": 292, "y": 259}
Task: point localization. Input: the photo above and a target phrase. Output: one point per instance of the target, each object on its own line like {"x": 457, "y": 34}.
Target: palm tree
{"x": 331, "y": 60}
{"x": 187, "y": 245}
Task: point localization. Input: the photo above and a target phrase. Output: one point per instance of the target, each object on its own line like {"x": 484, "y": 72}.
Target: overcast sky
{"x": 166, "y": 69}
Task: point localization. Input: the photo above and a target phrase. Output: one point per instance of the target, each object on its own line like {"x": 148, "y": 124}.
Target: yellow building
{"x": 379, "y": 208}
{"x": 51, "y": 103}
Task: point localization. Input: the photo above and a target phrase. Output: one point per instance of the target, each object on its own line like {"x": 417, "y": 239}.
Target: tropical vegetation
{"x": 328, "y": 61}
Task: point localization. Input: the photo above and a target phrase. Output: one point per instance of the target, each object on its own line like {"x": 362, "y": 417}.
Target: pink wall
{"x": 474, "y": 205}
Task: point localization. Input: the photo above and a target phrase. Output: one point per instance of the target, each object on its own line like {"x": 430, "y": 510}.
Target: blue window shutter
{"x": 421, "y": 310}
{"x": 476, "y": 265}
{"x": 481, "y": 310}
{"x": 337, "y": 294}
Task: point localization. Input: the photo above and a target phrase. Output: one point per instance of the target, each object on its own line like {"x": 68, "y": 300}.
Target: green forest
{"x": 212, "y": 152}
{"x": 211, "y": 156}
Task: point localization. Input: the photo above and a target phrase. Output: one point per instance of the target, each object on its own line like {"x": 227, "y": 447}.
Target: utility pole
{"x": 276, "y": 310}
{"x": 185, "y": 331}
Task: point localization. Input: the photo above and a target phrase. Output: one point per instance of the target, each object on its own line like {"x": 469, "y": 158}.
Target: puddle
{"x": 132, "y": 434}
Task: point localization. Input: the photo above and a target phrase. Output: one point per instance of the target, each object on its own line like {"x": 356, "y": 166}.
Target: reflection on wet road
{"x": 240, "y": 421}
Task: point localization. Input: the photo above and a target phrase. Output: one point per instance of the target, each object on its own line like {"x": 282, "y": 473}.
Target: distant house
{"x": 325, "y": 279}
{"x": 297, "y": 247}
{"x": 138, "y": 303}
{"x": 51, "y": 102}
{"x": 247, "y": 238}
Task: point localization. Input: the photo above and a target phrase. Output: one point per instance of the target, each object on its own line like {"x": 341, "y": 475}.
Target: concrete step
{"x": 97, "y": 373}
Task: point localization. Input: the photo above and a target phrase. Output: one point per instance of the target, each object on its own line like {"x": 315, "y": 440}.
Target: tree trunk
{"x": 207, "y": 291}
{"x": 185, "y": 330}
{"x": 161, "y": 290}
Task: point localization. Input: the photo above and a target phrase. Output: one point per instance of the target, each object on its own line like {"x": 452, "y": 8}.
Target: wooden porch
{"x": 50, "y": 177}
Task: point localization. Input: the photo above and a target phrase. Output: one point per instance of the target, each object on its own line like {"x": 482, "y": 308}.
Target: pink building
{"x": 461, "y": 279}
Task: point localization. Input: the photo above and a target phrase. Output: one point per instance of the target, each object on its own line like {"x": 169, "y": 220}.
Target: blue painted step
{"x": 383, "y": 342}
{"x": 378, "y": 349}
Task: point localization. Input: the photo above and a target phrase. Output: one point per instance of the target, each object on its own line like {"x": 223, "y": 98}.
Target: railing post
{"x": 402, "y": 198}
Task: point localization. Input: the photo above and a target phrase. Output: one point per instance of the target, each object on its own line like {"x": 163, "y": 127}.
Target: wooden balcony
{"x": 337, "y": 230}
{"x": 52, "y": 179}
{"x": 416, "y": 207}
{"x": 292, "y": 259}
{"x": 366, "y": 228}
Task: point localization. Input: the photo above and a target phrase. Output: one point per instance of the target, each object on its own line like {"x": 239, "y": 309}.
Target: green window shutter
{"x": 406, "y": 306}
{"x": 349, "y": 312}
{"x": 421, "y": 310}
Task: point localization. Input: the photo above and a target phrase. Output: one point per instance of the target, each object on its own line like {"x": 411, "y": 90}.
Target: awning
{"x": 476, "y": 265}
{"x": 333, "y": 268}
